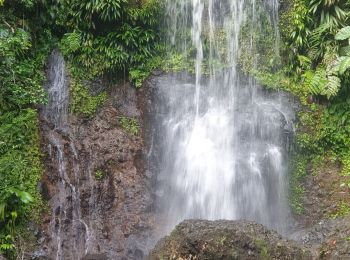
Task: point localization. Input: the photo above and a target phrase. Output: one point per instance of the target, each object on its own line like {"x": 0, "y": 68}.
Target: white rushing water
{"x": 221, "y": 140}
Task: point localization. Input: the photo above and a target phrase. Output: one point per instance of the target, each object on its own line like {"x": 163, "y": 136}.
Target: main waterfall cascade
{"x": 219, "y": 139}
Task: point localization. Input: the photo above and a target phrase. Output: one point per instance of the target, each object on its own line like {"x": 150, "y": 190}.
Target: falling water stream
{"x": 222, "y": 140}
{"x": 69, "y": 233}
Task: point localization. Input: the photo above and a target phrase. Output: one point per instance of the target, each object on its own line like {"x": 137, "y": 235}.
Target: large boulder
{"x": 201, "y": 239}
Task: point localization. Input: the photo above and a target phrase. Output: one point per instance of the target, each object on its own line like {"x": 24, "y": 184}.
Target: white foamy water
{"x": 220, "y": 140}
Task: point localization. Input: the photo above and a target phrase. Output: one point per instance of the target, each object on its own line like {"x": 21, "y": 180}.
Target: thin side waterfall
{"x": 69, "y": 233}
{"x": 221, "y": 140}
{"x": 198, "y": 6}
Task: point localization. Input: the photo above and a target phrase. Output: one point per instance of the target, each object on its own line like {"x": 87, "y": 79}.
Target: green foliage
{"x": 296, "y": 182}
{"x": 20, "y": 75}
{"x": 264, "y": 252}
{"x": 20, "y": 171}
{"x": 316, "y": 31}
{"x": 294, "y": 24}
{"x": 113, "y": 36}
{"x": 99, "y": 175}
{"x": 331, "y": 12}
{"x": 140, "y": 73}
{"x": 7, "y": 245}
{"x": 343, "y": 34}
{"x": 344, "y": 64}
{"x": 315, "y": 63}
{"x": 130, "y": 125}
{"x": 336, "y": 130}
{"x": 10, "y": 206}
{"x": 23, "y": 51}
{"x": 322, "y": 132}
{"x": 279, "y": 81}
{"x": 322, "y": 81}
{"x": 343, "y": 210}
{"x": 346, "y": 165}
{"x": 82, "y": 103}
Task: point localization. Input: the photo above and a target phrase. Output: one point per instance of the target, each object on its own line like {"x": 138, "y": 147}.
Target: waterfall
{"x": 221, "y": 139}
{"x": 69, "y": 234}
{"x": 56, "y": 111}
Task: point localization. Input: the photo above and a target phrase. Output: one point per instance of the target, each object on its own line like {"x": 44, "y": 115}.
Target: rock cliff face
{"x": 96, "y": 185}
{"x": 101, "y": 195}
{"x": 200, "y": 239}
{"x": 329, "y": 239}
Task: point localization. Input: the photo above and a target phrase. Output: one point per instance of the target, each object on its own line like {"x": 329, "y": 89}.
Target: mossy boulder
{"x": 201, "y": 239}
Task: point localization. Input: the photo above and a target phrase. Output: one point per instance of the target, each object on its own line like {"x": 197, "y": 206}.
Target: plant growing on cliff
{"x": 343, "y": 210}
{"x": 82, "y": 102}
{"x": 99, "y": 175}
{"x": 130, "y": 125}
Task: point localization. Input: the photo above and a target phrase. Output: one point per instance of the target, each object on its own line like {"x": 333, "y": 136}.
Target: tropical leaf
{"x": 304, "y": 61}
{"x": 315, "y": 81}
{"x": 24, "y": 197}
{"x": 344, "y": 51}
{"x": 344, "y": 64}
{"x": 343, "y": 34}
{"x": 317, "y": 33}
{"x": 332, "y": 86}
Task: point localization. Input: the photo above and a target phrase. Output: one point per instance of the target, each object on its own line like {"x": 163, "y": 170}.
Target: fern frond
{"x": 315, "y": 81}
{"x": 332, "y": 86}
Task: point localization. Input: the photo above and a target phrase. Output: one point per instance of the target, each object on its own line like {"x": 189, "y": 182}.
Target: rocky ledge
{"x": 201, "y": 239}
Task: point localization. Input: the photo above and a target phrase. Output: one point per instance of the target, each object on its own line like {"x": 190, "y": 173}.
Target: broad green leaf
{"x": 25, "y": 197}
{"x": 344, "y": 51}
{"x": 343, "y": 34}
{"x": 316, "y": 81}
{"x": 305, "y": 62}
{"x": 344, "y": 64}
{"x": 332, "y": 87}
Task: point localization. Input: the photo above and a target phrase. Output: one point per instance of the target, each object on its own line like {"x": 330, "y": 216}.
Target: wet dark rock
{"x": 201, "y": 239}
{"x": 112, "y": 219}
{"x": 329, "y": 239}
{"x": 39, "y": 255}
{"x": 95, "y": 257}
